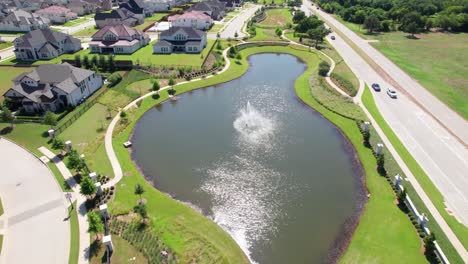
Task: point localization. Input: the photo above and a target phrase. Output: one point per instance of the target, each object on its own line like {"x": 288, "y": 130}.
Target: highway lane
{"x": 438, "y": 152}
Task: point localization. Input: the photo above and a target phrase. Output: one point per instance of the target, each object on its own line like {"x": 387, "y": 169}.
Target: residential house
{"x": 136, "y": 7}
{"x": 53, "y": 87}
{"x": 44, "y": 44}
{"x": 116, "y": 17}
{"x": 215, "y": 9}
{"x": 180, "y": 39}
{"x": 232, "y": 4}
{"x": 85, "y": 7}
{"x": 194, "y": 19}
{"x": 119, "y": 39}
{"x": 22, "y": 21}
{"x": 57, "y": 14}
{"x": 158, "y": 5}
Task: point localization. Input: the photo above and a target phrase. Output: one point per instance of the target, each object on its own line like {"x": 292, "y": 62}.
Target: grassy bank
{"x": 74, "y": 236}
{"x": 436, "y": 197}
{"x": 372, "y": 239}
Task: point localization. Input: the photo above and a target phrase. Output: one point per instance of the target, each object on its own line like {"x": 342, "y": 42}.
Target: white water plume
{"x": 253, "y": 126}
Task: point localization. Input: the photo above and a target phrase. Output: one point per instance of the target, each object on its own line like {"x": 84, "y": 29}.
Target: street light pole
{"x": 69, "y": 196}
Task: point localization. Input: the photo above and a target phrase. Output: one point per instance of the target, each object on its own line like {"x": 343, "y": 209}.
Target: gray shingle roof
{"x": 192, "y": 33}
{"x": 40, "y": 37}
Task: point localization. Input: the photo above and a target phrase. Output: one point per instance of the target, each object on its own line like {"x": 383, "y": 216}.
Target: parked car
{"x": 376, "y": 87}
{"x": 392, "y": 93}
{"x": 333, "y": 37}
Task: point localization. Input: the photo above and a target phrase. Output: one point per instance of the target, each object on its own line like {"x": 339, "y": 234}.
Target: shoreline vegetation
{"x": 403, "y": 238}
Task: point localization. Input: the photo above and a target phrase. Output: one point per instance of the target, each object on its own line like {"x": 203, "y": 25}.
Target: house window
{"x": 195, "y": 49}
{"x": 189, "y": 48}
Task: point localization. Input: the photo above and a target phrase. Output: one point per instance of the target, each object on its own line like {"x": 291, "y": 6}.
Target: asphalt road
{"x": 236, "y": 24}
{"x": 437, "y": 151}
{"x": 34, "y": 225}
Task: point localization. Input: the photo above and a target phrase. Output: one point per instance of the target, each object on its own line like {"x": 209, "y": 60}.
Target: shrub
{"x": 429, "y": 243}
{"x": 114, "y": 79}
{"x": 324, "y": 67}
{"x": 381, "y": 164}
{"x": 123, "y": 114}
{"x": 345, "y": 84}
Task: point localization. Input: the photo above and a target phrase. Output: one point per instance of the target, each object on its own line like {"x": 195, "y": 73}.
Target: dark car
{"x": 333, "y": 37}
{"x": 376, "y": 87}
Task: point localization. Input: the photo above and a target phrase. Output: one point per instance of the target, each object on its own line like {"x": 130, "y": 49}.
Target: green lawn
{"x": 123, "y": 253}
{"x": 150, "y": 20}
{"x": 12, "y": 33}
{"x": 59, "y": 177}
{"x": 265, "y": 34}
{"x": 6, "y": 75}
{"x": 5, "y": 44}
{"x": 436, "y": 60}
{"x": 74, "y": 236}
{"x": 87, "y": 32}
{"x": 1, "y": 207}
{"x": 277, "y": 17}
{"x": 436, "y": 197}
{"x": 1, "y": 243}
{"x": 30, "y": 136}
{"x": 269, "y": 2}
{"x": 145, "y": 56}
{"x": 216, "y": 28}
{"x": 75, "y": 22}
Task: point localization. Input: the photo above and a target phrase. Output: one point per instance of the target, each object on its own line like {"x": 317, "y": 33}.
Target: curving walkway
{"x": 34, "y": 224}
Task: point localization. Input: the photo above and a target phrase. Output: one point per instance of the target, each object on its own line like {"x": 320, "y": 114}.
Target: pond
{"x": 277, "y": 176}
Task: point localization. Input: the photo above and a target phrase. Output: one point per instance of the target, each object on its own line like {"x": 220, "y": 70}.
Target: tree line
{"x": 411, "y": 16}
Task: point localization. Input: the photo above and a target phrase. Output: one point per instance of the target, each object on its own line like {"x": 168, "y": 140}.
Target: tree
{"x": 78, "y": 61}
{"x": 238, "y": 56}
{"x": 412, "y": 23}
{"x": 381, "y": 164}
{"x": 298, "y": 16}
{"x": 50, "y": 119}
{"x": 87, "y": 187}
{"x": 371, "y": 23}
{"x": 324, "y": 68}
{"x": 156, "y": 86}
{"x": 141, "y": 210}
{"x": 57, "y": 143}
{"x": 366, "y": 136}
{"x": 95, "y": 223}
{"x": 412, "y": 28}
{"x": 236, "y": 35}
{"x": 171, "y": 82}
{"x": 7, "y": 116}
{"x": 359, "y": 16}
{"x": 318, "y": 34}
{"x": 308, "y": 23}
{"x": 111, "y": 63}
{"x": 218, "y": 35}
{"x": 102, "y": 63}
{"x": 278, "y": 32}
{"x": 401, "y": 196}
{"x": 74, "y": 161}
{"x": 139, "y": 190}
{"x": 86, "y": 61}
{"x": 94, "y": 61}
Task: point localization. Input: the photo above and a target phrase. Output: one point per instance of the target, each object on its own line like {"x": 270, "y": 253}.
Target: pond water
{"x": 275, "y": 174}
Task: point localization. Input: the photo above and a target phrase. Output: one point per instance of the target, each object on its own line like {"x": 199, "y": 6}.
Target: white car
{"x": 392, "y": 93}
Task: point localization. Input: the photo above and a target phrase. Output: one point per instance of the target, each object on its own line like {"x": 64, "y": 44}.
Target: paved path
{"x": 80, "y": 202}
{"x": 34, "y": 224}
{"x": 437, "y": 151}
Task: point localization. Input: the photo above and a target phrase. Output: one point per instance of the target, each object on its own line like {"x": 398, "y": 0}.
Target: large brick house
{"x": 57, "y": 14}
{"x": 44, "y": 44}
{"x": 118, "y": 16}
{"x": 53, "y": 87}
{"x": 215, "y": 9}
{"x": 194, "y": 19}
{"x": 119, "y": 39}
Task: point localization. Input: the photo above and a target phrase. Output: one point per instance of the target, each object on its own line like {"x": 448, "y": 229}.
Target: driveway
{"x": 437, "y": 151}
{"x": 33, "y": 222}
{"x": 236, "y": 24}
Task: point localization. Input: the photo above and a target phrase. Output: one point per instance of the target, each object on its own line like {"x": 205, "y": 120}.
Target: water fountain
{"x": 252, "y": 125}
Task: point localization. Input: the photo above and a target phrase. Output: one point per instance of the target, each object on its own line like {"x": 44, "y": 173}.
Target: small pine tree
{"x": 139, "y": 190}
{"x": 87, "y": 187}
{"x": 156, "y": 86}
{"x": 366, "y": 137}
{"x": 78, "y": 61}
{"x": 171, "y": 82}
{"x": 86, "y": 62}
{"x": 381, "y": 164}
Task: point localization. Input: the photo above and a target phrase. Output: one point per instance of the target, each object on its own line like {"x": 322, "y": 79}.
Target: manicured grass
{"x": 145, "y": 56}
{"x": 436, "y": 60}
{"x": 13, "y": 61}
{"x": 12, "y": 33}
{"x": 1, "y": 243}
{"x": 7, "y": 74}
{"x": 265, "y": 34}
{"x": 150, "y": 20}
{"x": 1, "y": 207}
{"x": 270, "y": 2}
{"x": 436, "y": 197}
{"x": 59, "y": 177}
{"x": 5, "y": 44}
{"x": 341, "y": 68}
{"x": 75, "y": 22}
{"x": 30, "y": 136}
{"x": 216, "y": 28}
{"x": 87, "y": 32}
{"x": 74, "y": 236}
{"x": 123, "y": 253}
{"x": 87, "y": 135}
{"x": 277, "y": 17}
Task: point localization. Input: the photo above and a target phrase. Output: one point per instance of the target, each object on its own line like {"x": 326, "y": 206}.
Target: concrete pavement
{"x": 438, "y": 152}
{"x": 83, "y": 225}
{"x": 237, "y": 23}
{"x": 35, "y": 225}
